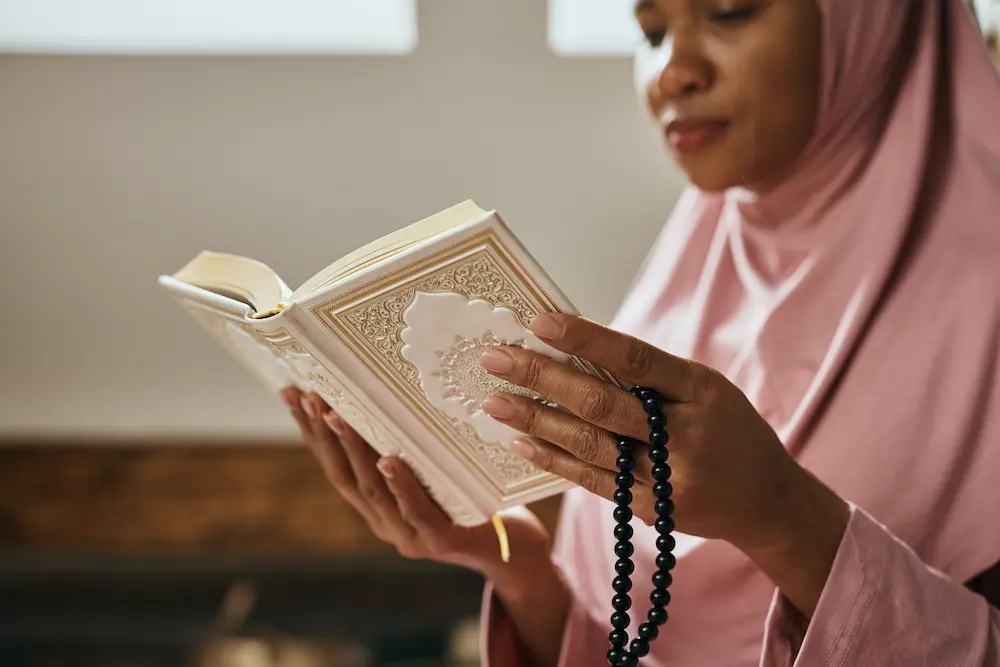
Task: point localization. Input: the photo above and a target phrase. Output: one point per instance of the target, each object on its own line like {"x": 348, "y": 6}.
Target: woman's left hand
{"x": 732, "y": 477}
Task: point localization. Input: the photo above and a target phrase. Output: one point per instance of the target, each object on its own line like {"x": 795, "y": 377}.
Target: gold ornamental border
{"x": 334, "y": 315}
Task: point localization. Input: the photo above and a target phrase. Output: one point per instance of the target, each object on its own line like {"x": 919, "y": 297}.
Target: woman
{"x": 837, "y": 263}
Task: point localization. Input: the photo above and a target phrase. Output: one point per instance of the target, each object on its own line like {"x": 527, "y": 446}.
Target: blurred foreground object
{"x": 227, "y": 647}
{"x": 278, "y": 652}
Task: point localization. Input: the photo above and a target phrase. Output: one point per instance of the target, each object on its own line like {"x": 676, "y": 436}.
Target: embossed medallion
{"x": 450, "y": 375}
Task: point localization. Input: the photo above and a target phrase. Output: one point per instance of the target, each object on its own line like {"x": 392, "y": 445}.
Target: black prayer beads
{"x": 622, "y": 653}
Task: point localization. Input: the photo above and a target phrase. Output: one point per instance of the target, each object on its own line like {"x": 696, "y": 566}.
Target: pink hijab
{"x": 864, "y": 325}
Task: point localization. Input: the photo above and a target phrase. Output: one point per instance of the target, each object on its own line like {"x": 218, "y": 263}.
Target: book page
{"x": 236, "y": 277}
{"x": 389, "y": 245}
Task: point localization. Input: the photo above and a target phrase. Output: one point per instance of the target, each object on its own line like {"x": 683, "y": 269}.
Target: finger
{"x": 329, "y": 451}
{"x": 333, "y": 460}
{"x": 292, "y": 396}
{"x": 416, "y": 507}
{"x": 371, "y": 484}
{"x": 336, "y": 475}
{"x": 589, "y": 398}
{"x": 624, "y": 356}
{"x": 328, "y": 447}
{"x": 312, "y": 409}
{"x": 546, "y": 456}
{"x": 582, "y": 439}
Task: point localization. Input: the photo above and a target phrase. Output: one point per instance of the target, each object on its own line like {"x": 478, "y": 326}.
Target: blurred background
{"x": 156, "y": 506}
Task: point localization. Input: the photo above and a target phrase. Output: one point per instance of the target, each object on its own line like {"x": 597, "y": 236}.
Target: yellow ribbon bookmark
{"x": 502, "y": 537}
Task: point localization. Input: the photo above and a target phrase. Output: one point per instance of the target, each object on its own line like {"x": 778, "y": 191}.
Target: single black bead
{"x": 658, "y": 454}
{"x": 621, "y": 602}
{"x": 622, "y": 497}
{"x": 624, "y": 549}
{"x": 652, "y": 404}
{"x": 661, "y": 472}
{"x": 623, "y": 514}
{"x": 620, "y": 620}
{"x": 636, "y": 390}
{"x": 659, "y": 598}
{"x": 643, "y": 392}
{"x": 624, "y": 567}
{"x": 662, "y": 489}
{"x": 648, "y": 630}
{"x": 662, "y": 579}
{"x": 664, "y": 525}
{"x": 622, "y": 584}
{"x": 625, "y": 480}
{"x": 628, "y": 660}
{"x": 625, "y": 445}
{"x": 618, "y": 638}
{"x": 657, "y": 615}
{"x": 623, "y": 531}
{"x": 656, "y": 420}
{"x": 659, "y": 438}
{"x": 639, "y": 647}
{"x": 625, "y": 462}
{"x": 615, "y": 656}
{"x": 664, "y": 506}
{"x": 666, "y": 561}
{"x": 665, "y": 543}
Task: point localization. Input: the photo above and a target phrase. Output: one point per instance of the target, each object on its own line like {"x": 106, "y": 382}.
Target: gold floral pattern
{"x": 380, "y": 322}
{"x": 465, "y": 378}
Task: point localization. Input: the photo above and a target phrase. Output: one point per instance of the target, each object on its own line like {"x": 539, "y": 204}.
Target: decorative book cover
{"x": 393, "y": 346}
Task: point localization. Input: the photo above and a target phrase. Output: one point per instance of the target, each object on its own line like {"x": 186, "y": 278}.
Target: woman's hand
{"x": 732, "y": 477}
{"x": 399, "y": 510}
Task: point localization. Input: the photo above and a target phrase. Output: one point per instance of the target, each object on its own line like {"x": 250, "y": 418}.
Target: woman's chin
{"x": 711, "y": 180}
{"x": 711, "y": 170}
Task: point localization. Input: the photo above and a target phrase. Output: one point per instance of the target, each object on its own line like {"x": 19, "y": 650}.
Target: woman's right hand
{"x": 401, "y": 512}
{"x": 398, "y": 508}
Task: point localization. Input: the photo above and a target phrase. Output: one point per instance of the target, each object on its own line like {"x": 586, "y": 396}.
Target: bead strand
{"x": 618, "y": 655}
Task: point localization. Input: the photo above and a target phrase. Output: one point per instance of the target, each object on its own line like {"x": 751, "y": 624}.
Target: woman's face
{"x": 734, "y": 84}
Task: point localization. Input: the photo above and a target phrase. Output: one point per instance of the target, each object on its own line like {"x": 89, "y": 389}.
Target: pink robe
{"x": 882, "y": 606}
{"x": 866, "y": 329}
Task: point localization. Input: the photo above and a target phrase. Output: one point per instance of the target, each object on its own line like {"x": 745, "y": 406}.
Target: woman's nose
{"x": 683, "y": 78}
{"x": 684, "y": 72}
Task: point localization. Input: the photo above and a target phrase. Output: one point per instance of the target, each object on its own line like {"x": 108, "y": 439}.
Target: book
{"x": 390, "y": 336}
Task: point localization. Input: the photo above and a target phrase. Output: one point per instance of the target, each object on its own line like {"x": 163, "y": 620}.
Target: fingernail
{"x": 524, "y": 449}
{"x": 497, "y": 406}
{"x": 497, "y": 361}
{"x": 333, "y": 420}
{"x": 307, "y": 405}
{"x": 385, "y": 468}
{"x": 546, "y": 326}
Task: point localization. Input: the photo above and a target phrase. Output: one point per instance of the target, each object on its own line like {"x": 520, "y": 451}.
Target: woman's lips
{"x": 690, "y": 135}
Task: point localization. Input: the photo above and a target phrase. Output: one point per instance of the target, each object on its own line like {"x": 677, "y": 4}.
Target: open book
{"x": 390, "y": 335}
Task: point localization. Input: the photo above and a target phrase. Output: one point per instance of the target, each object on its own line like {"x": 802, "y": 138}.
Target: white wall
{"x": 113, "y": 171}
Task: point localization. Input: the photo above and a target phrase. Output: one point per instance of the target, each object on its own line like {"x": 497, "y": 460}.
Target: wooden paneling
{"x": 178, "y": 499}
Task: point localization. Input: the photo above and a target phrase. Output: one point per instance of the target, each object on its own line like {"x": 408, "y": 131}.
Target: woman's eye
{"x": 734, "y": 16}
{"x": 655, "y": 37}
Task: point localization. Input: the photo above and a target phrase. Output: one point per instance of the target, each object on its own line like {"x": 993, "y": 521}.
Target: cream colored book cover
{"x": 391, "y": 338}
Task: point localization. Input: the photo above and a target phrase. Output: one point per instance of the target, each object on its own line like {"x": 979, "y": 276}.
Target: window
{"x": 593, "y": 27}
{"x": 988, "y": 14}
{"x": 208, "y": 26}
